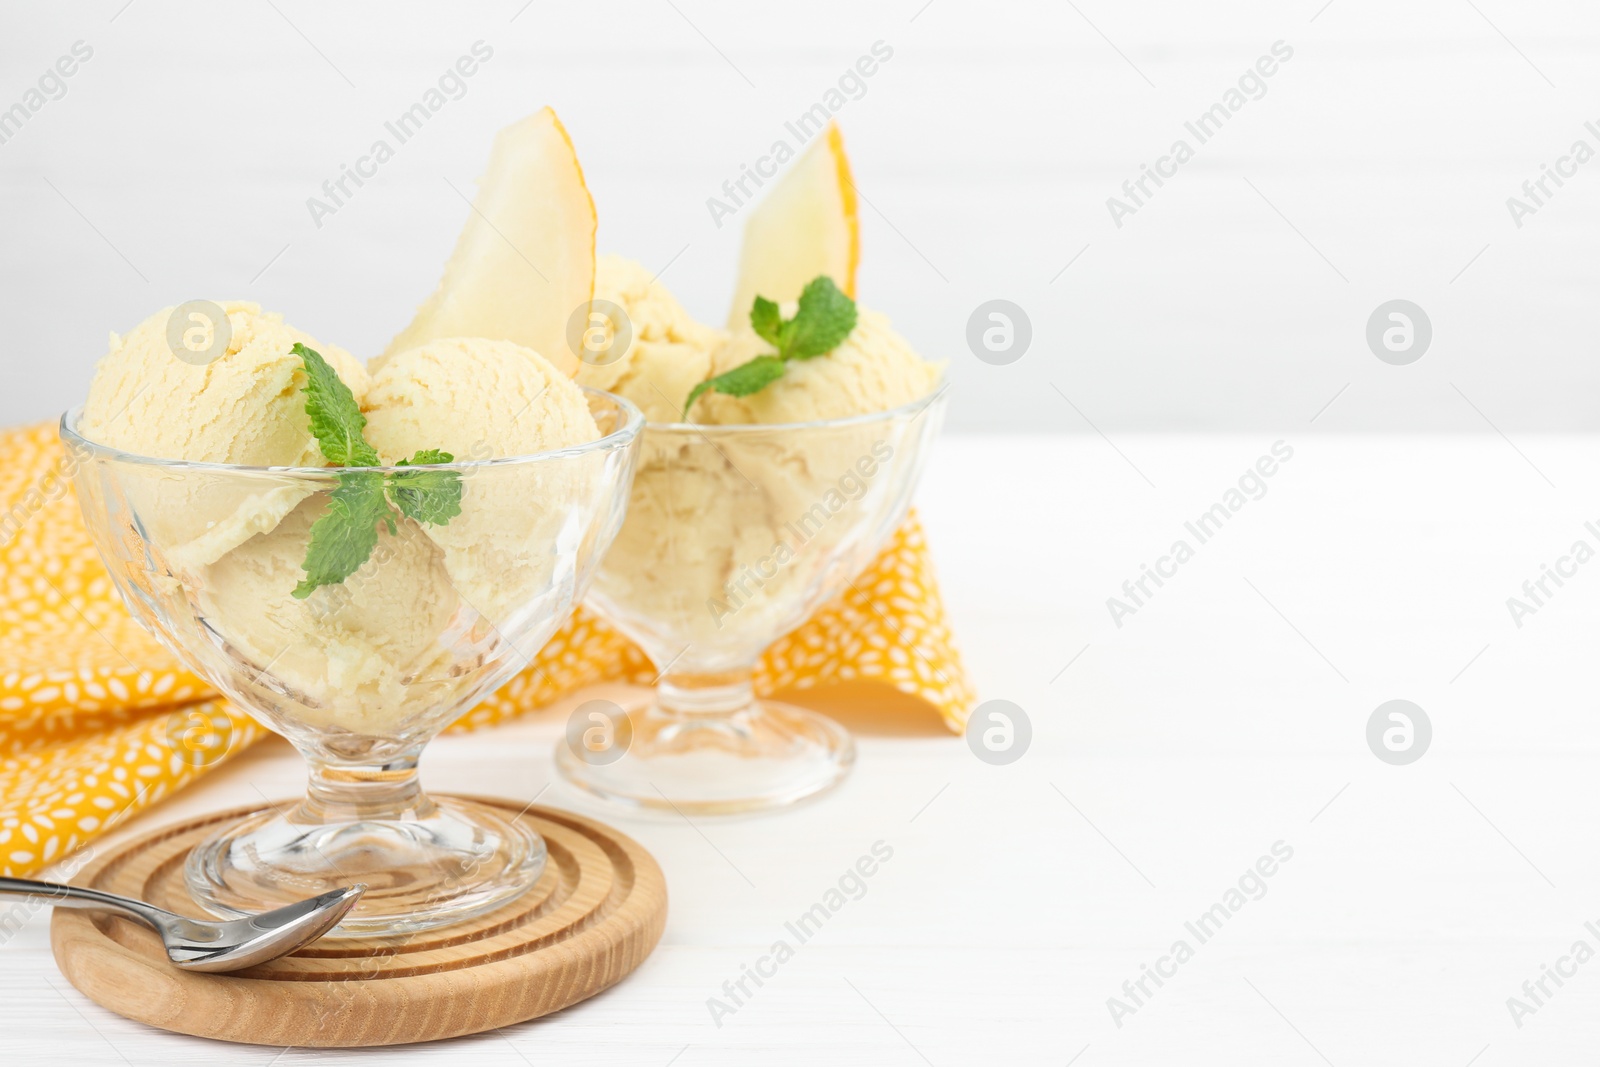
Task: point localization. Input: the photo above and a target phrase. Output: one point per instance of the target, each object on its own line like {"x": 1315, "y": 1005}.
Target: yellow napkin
{"x": 98, "y": 720}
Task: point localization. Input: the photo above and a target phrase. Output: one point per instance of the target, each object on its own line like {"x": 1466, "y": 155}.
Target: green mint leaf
{"x": 343, "y": 537}
{"x": 824, "y": 319}
{"x": 694, "y": 394}
{"x": 427, "y": 496}
{"x": 766, "y": 320}
{"x": 751, "y": 377}
{"x": 746, "y": 378}
{"x": 336, "y": 419}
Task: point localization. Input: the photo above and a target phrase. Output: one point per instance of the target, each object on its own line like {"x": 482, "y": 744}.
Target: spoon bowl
{"x": 209, "y": 945}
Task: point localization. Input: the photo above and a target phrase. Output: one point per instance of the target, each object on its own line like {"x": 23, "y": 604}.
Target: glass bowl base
{"x": 765, "y": 755}
{"x": 457, "y": 861}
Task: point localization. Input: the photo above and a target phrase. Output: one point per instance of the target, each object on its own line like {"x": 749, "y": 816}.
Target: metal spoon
{"x": 206, "y": 944}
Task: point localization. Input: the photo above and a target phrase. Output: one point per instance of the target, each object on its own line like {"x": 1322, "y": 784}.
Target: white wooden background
{"x": 1168, "y": 755}
{"x": 1376, "y": 167}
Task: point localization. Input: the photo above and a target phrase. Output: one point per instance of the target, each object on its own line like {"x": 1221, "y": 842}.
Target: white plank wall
{"x": 1376, "y": 166}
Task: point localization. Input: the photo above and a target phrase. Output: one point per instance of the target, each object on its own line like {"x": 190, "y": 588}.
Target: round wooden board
{"x": 594, "y": 915}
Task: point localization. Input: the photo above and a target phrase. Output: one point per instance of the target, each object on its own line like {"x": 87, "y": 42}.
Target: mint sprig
{"x": 343, "y": 537}
{"x": 427, "y": 496}
{"x": 822, "y": 321}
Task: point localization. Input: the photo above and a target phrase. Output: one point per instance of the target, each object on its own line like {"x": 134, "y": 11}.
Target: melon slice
{"x": 524, "y": 263}
{"x": 806, "y": 226}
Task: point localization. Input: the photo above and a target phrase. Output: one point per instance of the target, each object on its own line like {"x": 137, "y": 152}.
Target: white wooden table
{"x": 1228, "y": 714}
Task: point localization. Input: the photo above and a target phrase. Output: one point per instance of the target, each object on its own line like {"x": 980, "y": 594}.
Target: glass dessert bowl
{"x": 735, "y": 535}
{"x": 360, "y": 674}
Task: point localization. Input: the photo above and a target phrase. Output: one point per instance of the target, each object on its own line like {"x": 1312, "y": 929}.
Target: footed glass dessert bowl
{"x": 735, "y": 535}
{"x": 359, "y": 674}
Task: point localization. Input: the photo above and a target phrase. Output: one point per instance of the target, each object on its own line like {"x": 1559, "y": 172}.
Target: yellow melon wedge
{"x": 524, "y": 263}
{"x": 807, "y": 225}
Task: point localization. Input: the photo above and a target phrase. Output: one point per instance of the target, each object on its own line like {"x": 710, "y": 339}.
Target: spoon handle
{"x": 71, "y": 896}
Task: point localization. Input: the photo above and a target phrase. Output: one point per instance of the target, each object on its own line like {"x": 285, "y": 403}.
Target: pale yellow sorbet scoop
{"x": 480, "y": 399}
{"x": 246, "y": 406}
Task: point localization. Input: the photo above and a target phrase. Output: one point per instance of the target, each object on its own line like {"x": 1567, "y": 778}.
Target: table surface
{"x": 1172, "y": 749}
